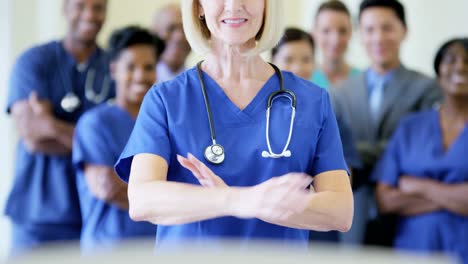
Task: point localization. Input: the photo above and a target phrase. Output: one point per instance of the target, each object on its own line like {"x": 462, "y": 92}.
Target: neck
{"x": 80, "y": 50}
{"x": 231, "y": 62}
{"x": 335, "y": 69}
{"x": 173, "y": 67}
{"x": 133, "y": 109}
{"x": 383, "y": 68}
{"x": 455, "y": 108}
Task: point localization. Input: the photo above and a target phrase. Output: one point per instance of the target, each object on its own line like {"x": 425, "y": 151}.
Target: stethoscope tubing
{"x": 282, "y": 92}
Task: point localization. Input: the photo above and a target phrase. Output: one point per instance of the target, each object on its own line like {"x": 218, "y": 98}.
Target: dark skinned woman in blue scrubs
{"x": 423, "y": 176}
{"x": 101, "y": 135}
{"x": 51, "y": 86}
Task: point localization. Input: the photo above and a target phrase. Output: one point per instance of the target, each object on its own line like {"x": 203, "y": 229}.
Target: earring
{"x": 201, "y": 17}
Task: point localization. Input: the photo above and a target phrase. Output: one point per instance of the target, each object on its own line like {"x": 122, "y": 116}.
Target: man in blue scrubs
{"x": 51, "y": 86}
{"x": 101, "y": 135}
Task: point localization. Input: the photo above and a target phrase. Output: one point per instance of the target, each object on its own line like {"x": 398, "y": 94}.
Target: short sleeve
{"x": 150, "y": 134}
{"x": 329, "y": 150}
{"x": 90, "y": 143}
{"x": 28, "y": 75}
{"x": 387, "y": 169}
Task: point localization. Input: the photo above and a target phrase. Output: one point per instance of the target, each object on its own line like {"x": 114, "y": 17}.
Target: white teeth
{"x": 234, "y": 21}
{"x": 459, "y": 79}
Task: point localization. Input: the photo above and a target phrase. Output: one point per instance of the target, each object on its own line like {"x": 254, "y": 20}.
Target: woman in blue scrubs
{"x": 295, "y": 52}
{"x": 101, "y": 135}
{"x": 423, "y": 176}
{"x": 258, "y": 195}
{"x": 50, "y": 87}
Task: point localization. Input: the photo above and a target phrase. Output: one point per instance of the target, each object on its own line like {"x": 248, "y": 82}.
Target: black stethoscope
{"x": 70, "y": 102}
{"x": 215, "y": 152}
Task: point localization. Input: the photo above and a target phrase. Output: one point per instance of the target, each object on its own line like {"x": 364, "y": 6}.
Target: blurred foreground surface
{"x": 139, "y": 252}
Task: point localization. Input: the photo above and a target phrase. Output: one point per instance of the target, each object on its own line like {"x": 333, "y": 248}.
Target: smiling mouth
{"x": 236, "y": 21}
{"x": 459, "y": 79}
{"x": 93, "y": 26}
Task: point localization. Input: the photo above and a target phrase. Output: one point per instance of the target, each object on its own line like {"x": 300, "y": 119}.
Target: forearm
{"x": 64, "y": 132}
{"x": 326, "y": 211}
{"x": 171, "y": 203}
{"x": 452, "y": 197}
{"x": 48, "y": 147}
{"x": 45, "y": 129}
{"x": 120, "y": 199}
{"x": 105, "y": 185}
{"x": 394, "y": 201}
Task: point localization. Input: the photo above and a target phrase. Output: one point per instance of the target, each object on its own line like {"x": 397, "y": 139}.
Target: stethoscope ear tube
{"x": 286, "y": 93}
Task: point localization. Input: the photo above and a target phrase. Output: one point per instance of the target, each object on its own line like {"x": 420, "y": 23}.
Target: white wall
{"x": 27, "y": 22}
{"x": 16, "y": 33}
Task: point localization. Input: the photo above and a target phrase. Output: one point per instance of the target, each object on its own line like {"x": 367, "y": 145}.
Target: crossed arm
{"x": 416, "y": 195}
{"x": 281, "y": 200}
{"x": 105, "y": 185}
{"x": 39, "y": 129}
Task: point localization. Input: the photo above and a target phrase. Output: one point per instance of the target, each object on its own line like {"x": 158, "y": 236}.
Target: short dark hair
{"x": 444, "y": 48}
{"x": 395, "y": 5}
{"x": 333, "y": 5}
{"x": 293, "y": 34}
{"x": 133, "y": 35}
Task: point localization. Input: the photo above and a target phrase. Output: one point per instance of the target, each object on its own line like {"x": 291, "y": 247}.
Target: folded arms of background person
{"x": 39, "y": 129}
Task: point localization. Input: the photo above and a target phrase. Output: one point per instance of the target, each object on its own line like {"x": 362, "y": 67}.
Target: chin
{"x": 460, "y": 91}
{"x": 235, "y": 41}
{"x": 89, "y": 33}
{"x": 137, "y": 101}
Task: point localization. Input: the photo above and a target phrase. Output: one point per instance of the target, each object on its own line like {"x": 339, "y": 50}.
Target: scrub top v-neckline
{"x": 440, "y": 134}
{"x": 247, "y": 114}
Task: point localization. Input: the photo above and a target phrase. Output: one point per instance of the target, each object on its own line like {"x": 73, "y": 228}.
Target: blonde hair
{"x": 198, "y": 35}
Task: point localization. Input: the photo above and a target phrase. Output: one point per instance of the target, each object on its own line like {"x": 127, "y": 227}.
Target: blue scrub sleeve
{"x": 90, "y": 143}
{"x": 28, "y": 74}
{"x": 387, "y": 169}
{"x": 329, "y": 150}
{"x": 150, "y": 134}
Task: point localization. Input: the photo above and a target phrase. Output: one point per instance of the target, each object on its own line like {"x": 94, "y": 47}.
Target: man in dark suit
{"x": 373, "y": 102}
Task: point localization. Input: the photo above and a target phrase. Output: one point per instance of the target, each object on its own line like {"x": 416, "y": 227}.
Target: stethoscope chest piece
{"x": 215, "y": 154}
{"x": 70, "y": 102}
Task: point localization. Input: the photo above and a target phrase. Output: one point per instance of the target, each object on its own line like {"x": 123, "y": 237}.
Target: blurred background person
{"x": 51, "y": 86}
{"x": 100, "y": 137}
{"x": 423, "y": 175}
{"x": 332, "y": 32}
{"x": 295, "y": 52}
{"x": 374, "y": 101}
{"x": 167, "y": 25}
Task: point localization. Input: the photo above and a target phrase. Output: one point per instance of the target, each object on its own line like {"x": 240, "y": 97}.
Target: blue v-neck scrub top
{"x": 416, "y": 149}
{"x": 43, "y": 203}
{"x": 100, "y": 136}
{"x": 173, "y": 120}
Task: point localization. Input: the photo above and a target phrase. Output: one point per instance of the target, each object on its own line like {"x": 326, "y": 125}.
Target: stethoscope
{"x": 70, "y": 102}
{"x": 215, "y": 153}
